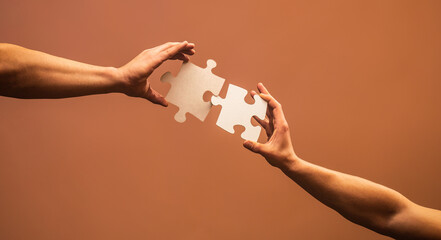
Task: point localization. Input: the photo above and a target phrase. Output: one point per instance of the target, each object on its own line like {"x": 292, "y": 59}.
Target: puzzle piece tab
{"x": 235, "y": 111}
{"x": 188, "y": 87}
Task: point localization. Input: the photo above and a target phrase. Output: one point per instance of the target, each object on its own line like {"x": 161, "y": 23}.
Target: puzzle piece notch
{"x": 189, "y": 86}
{"x": 235, "y": 111}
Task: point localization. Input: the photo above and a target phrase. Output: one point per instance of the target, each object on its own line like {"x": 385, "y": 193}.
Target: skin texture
{"x": 26, "y": 73}
{"x": 363, "y": 202}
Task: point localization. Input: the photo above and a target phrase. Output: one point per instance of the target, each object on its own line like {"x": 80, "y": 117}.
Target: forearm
{"x": 26, "y": 73}
{"x": 363, "y": 202}
{"x": 359, "y": 200}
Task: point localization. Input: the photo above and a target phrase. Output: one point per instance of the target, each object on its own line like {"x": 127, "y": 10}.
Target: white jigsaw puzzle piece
{"x": 188, "y": 88}
{"x": 235, "y": 111}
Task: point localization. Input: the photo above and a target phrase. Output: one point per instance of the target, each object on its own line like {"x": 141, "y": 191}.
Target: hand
{"x": 278, "y": 150}
{"x": 135, "y": 73}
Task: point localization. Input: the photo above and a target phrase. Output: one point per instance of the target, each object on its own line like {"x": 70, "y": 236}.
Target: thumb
{"x": 155, "y": 97}
{"x": 253, "y": 146}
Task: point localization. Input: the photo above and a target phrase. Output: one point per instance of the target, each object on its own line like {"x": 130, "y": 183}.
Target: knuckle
{"x": 252, "y": 146}
{"x": 255, "y": 148}
{"x": 284, "y": 127}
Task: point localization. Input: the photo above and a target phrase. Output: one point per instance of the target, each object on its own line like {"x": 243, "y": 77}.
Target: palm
{"x": 137, "y": 71}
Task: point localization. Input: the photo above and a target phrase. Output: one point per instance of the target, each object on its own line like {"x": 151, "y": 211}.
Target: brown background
{"x": 359, "y": 81}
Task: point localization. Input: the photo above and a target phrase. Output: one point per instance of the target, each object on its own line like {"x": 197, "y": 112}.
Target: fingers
{"x": 275, "y": 108}
{"x": 177, "y": 48}
{"x": 265, "y": 124}
{"x": 270, "y": 99}
{"x": 171, "y": 50}
{"x": 181, "y": 57}
{"x": 190, "y": 45}
{"x": 156, "y": 98}
{"x": 268, "y": 112}
{"x": 262, "y": 89}
{"x": 189, "y": 51}
{"x": 253, "y": 146}
{"x": 272, "y": 102}
{"x": 165, "y": 46}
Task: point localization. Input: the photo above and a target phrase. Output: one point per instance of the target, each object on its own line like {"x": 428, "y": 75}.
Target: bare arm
{"x": 26, "y": 73}
{"x": 363, "y": 202}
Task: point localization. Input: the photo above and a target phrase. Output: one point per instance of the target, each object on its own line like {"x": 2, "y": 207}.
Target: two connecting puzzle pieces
{"x": 187, "y": 90}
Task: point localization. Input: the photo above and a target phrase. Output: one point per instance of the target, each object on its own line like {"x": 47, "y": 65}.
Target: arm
{"x": 363, "y": 202}
{"x": 27, "y": 73}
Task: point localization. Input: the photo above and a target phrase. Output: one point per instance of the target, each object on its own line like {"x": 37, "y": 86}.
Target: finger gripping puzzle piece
{"x": 235, "y": 111}
{"x": 188, "y": 88}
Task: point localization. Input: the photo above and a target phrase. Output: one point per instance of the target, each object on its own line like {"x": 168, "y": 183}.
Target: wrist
{"x": 116, "y": 80}
{"x": 290, "y": 163}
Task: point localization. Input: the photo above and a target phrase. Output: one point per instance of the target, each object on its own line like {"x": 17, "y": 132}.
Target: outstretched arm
{"x": 26, "y": 73}
{"x": 363, "y": 202}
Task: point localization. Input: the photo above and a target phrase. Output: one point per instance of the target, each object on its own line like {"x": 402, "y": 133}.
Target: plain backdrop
{"x": 359, "y": 81}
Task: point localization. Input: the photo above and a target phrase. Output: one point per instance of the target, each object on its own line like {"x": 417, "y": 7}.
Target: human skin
{"x": 26, "y": 73}
{"x": 363, "y": 202}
